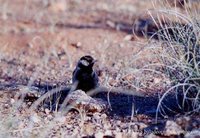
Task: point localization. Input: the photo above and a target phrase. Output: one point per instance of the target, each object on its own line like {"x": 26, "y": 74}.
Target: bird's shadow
{"x": 127, "y": 105}
{"x": 122, "y": 104}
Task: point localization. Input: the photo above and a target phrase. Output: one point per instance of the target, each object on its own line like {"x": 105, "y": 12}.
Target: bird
{"x": 84, "y": 77}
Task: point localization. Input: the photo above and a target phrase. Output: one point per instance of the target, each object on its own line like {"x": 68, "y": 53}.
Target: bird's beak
{"x": 94, "y": 61}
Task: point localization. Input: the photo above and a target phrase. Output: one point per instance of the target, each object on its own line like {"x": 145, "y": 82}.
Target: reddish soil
{"x": 41, "y": 42}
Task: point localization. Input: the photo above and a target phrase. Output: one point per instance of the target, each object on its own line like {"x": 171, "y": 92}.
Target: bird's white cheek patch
{"x": 85, "y": 63}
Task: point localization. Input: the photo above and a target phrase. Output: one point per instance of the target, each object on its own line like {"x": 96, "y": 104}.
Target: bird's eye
{"x": 85, "y": 63}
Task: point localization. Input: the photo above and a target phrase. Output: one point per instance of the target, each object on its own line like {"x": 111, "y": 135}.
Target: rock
{"x": 118, "y": 122}
{"x": 59, "y": 6}
{"x": 172, "y": 128}
{"x": 108, "y": 133}
{"x": 47, "y": 111}
{"x": 151, "y": 136}
{"x": 35, "y": 118}
{"x": 49, "y": 117}
{"x": 110, "y": 23}
{"x": 118, "y": 135}
{"x": 6, "y": 105}
{"x": 80, "y": 100}
{"x": 193, "y": 134}
{"x": 129, "y": 38}
{"x": 134, "y": 134}
{"x": 12, "y": 101}
{"x": 155, "y": 129}
{"x": 29, "y": 103}
{"x": 60, "y": 119}
{"x": 77, "y": 45}
{"x": 99, "y": 135}
{"x": 96, "y": 116}
{"x": 89, "y": 128}
{"x": 69, "y": 126}
{"x": 107, "y": 125}
{"x": 136, "y": 126}
{"x": 104, "y": 116}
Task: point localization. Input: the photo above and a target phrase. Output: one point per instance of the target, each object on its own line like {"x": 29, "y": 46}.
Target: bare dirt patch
{"x": 40, "y": 44}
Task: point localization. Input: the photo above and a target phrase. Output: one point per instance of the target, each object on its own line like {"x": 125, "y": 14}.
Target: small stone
{"x": 157, "y": 80}
{"x": 118, "y": 122}
{"x": 89, "y": 128}
{"x": 110, "y": 24}
{"x": 61, "y": 119}
{"x": 142, "y": 126}
{"x": 76, "y": 45}
{"x": 99, "y": 135}
{"x": 121, "y": 45}
{"x": 96, "y": 116}
{"x": 172, "y": 128}
{"x": 118, "y": 135}
{"x": 108, "y": 132}
{"x": 193, "y": 134}
{"x": 35, "y": 119}
{"x": 107, "y": 125}
{"x": 29, "y": 103}
{"x": 112, "y": 82}
{"x": 187, "y": 118}
{"x": 69, "y": 126}
{"x": 12, "y": 101}
{"x": 49, "y": 116}
{"x": 93, "y": 52}
{"x": 79, "y": 44}
{"x": 59, "y": 6}
{"x": 6, "y": 105}
{"x": 118, "y": 129}
{"x": 151, "y": 135}
{"x": 128, "y": 38}
{"x": 134, "y": 134}
{"x": 20, "y": 125}
{"x": 47, "y": 111}
{"x": 104, "y": 116}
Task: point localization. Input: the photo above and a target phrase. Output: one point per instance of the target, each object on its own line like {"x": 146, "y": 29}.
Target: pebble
{"x": 12, "y": 101}
{"x": 193, "y": 134}
{"x": 96, "y": 116}
{"x": 99, "y": 135}
{"x": 69, "y": 126}
{"x": 107, "y": 125}
{"x": 35, "y": 119}
{"x": 118, "y": 122}
{"x": 118, "y": 135}
{"x": 108, "y": 132}
{"x": 172, "y": 128}
{"x": 104, "y": 116}
{"x": 47, "y": 111}
{"x": 79, "y": 44}
{"x": 6, "y": 105}
{"x": 49, "y": 116}
{"x": 128, "y": 38}
{"x": 61, "y": 119}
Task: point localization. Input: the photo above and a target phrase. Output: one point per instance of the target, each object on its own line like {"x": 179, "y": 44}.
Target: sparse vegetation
{"x": 150, "y": 81}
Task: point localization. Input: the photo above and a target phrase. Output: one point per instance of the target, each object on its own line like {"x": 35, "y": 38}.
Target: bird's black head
{"x": 86, "y": 62}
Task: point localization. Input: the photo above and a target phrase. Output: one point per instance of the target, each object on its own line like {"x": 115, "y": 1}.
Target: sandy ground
{"x": 41, "y": 42}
